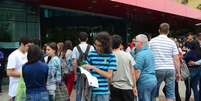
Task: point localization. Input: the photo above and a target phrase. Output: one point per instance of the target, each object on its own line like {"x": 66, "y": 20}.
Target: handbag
{"x": 61, "y": 93}
{"x": 185, "y": 73}
{"x": 21, "y": 90}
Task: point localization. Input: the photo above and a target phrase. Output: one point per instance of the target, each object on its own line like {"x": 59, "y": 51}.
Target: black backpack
{"x": 83, "y": 55}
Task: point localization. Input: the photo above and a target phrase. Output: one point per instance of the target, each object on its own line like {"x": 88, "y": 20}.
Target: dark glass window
{"x": 17, "y": 19}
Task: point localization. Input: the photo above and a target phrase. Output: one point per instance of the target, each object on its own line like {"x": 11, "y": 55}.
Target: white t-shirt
{"x": 164, "y": 50}
{"x": 83, "y": 46}
{"x": 15, "y": 60}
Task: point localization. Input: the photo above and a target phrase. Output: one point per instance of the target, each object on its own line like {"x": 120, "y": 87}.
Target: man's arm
{"x": 177, "y": 65}
{"x": 13, "y": 73}
{"x": 107, "y": 74}
{"x": 195, "y": 63}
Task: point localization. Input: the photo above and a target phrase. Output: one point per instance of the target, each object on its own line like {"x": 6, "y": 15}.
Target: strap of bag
{"x": 79, "y": 50}
{"x": 87, "y": 50}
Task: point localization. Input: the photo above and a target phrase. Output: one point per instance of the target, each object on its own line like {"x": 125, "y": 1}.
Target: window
{"x": 17, "y": 20}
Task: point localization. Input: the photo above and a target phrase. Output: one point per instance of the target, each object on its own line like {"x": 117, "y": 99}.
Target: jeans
{"x": 146, "y": 90}
{"x": 167, "y": 75}
{"x": 194, "y": 81}
{"x": 177, "y": 95}
{"x": 100, "y": 97}
{"x": 38, "y": 96}
{"x": 121, "y": 94}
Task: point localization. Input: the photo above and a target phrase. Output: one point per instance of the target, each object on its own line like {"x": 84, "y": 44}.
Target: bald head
{"x": 164, "y": 28}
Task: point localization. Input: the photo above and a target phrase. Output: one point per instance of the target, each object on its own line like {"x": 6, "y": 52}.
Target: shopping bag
{"x": 185, "y": 73}
{"x": 21, "y": 90}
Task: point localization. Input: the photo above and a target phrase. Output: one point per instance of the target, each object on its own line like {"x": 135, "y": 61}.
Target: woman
{"x": 67, "y": 66}
{"x": 195, "y": 70}
{"x": 101, "y": 62}
{"x": 35, "y": 75}
{"x": 60, "y": 46}
{"x": 54, "y": 73}
{"x": 146, "y": 79}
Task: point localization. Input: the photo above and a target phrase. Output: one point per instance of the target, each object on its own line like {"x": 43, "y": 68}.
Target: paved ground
{"x": 4, "y": 97}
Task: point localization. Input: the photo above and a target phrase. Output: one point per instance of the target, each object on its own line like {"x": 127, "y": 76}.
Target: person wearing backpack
{"x": 83, "y": 38}
{"x": 78, "y": 55}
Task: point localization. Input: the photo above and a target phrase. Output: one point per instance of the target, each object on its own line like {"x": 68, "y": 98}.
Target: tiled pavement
{"x": 4, "y": 96}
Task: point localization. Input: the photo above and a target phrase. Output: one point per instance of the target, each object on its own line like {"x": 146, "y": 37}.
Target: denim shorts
{"x": 100, "y": 97}
{"x": 40, "y": 96}
{"x": 168, "y": 76}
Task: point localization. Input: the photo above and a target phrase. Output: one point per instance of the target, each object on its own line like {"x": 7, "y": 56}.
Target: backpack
{"x": 83, "y": 55}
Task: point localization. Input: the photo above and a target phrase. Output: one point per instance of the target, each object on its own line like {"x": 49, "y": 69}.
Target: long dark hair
{"x": 52, "y": 45}
{"x": 105, "y": 39}
{"x": 67, "y": 45}
{"x": 34, "y": 54}
{"x": 195, "y": 46}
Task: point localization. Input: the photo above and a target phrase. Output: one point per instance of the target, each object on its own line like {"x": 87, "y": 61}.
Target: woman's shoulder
{"x": 56, "y": 58}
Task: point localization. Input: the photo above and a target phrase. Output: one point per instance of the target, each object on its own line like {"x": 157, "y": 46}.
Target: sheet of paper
{"x": 92, "y": 80}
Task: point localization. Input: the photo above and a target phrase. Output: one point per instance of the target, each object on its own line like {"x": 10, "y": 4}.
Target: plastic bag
{"x": 21, "y": 91}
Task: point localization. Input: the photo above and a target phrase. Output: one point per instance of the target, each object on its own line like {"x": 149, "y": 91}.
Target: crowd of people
{"x": 52, "y": 73}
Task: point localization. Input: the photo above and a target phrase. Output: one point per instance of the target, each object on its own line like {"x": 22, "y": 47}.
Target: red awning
{"x": 165, "y": 6}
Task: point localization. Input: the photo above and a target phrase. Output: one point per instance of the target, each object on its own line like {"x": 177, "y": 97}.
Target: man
{"x": 80, "y": 50}
{"x": 167, "y": 62}
{"x": 123, "y": 80}
{"x": 101, "y": 64}
{"x": 1, "y": 69}
{"x": 83, "y": 38}
{"x": 189, "y": 39}
{"x": 145, "y": 66}
{"x": 15, "y": 61}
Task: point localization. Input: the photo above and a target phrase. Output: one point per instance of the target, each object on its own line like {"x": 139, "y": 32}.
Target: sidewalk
{"x": 4, "y": 97}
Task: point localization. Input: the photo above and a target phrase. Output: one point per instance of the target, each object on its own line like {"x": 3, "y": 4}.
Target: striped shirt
{"x": 164, "y": 50}
{"x": 104, "y": 62}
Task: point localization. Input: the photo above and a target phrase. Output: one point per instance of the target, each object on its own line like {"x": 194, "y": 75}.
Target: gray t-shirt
{"x": 122, "y": 78}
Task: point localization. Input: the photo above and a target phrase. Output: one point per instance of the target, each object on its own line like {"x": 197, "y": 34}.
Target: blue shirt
{"x": 145, "y": 63}
{"x": 104, "y": 62}
{"x": 35, "y": 76}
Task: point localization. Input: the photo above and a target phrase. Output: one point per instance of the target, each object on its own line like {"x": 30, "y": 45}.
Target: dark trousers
{"x": 193, "y": 82}
{"x": 178, "y": 98}
{"x": 200, "y": 88}
{"x": 1, "y": 78}
{"x": 188, "y": 89}
{"x": 121, "y": 95}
